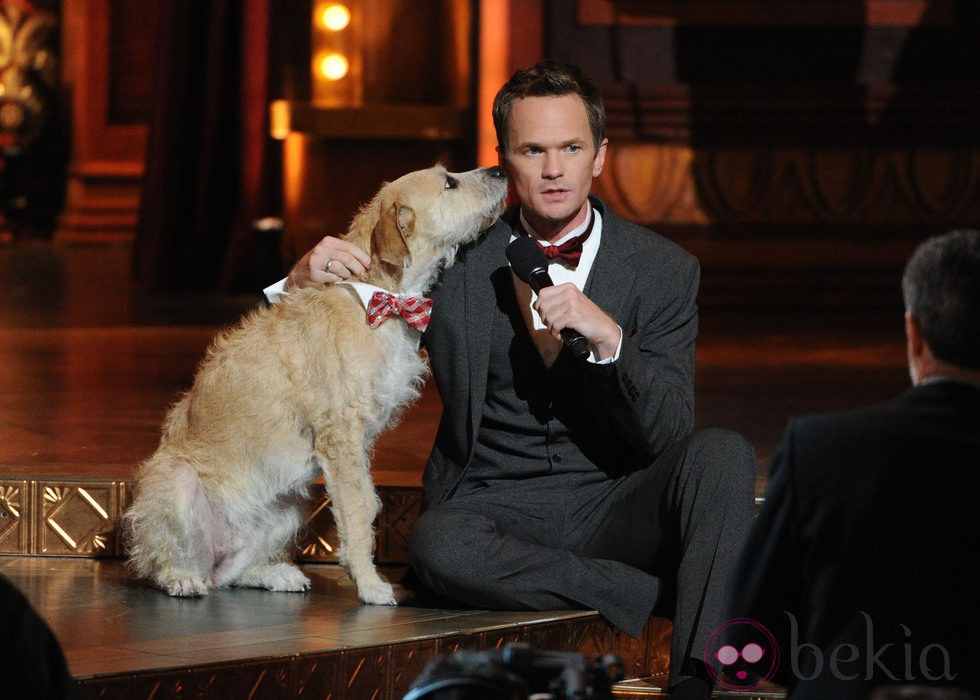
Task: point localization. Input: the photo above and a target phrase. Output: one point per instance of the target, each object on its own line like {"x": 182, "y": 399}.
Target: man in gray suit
{"x": 860, "y": 564}
{"x": 557, "y": 482}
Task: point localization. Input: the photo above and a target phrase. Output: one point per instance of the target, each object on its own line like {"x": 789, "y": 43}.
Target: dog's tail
{"x": 169, "y": 525}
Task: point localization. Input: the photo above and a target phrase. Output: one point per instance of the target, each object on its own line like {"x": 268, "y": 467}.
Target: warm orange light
{"x": 332, "y": 66}
{"x": 279, "y": 126}
{"x": 494, "y": 71}
{"x": 335, "y": 45}
{"x": 335, "y": 17}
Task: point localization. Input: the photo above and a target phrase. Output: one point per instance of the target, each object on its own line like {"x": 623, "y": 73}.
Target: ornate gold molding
{"x": 80, "y": 518}
{"x": 681, "y": 184}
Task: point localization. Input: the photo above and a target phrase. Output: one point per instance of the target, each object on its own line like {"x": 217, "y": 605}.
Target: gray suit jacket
{"x": 645, "y": 399}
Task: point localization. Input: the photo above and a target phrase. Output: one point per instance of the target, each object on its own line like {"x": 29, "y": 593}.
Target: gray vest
{"x": 535, "y": 420}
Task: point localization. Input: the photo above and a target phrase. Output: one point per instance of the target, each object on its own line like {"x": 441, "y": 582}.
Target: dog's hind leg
{"x": 258, "y": 560}
{"x": 355, "y": 505}
{"x": 170, "y": 530}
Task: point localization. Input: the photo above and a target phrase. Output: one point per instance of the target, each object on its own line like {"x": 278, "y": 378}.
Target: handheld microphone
{"x": 531, "y": 266}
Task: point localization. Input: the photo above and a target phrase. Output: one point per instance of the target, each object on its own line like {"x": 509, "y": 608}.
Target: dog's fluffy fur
{"x": 302, "y": 387}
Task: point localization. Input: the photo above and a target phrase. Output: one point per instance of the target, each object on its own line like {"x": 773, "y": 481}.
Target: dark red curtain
{"x": 211, "y": 167}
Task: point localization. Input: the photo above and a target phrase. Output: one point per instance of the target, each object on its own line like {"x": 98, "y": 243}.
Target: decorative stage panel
{"x": 77, "y": 519}
{"x": 15, "y": 533}
{"x": 385, "y": 671}
{"x": 71, "y": 518}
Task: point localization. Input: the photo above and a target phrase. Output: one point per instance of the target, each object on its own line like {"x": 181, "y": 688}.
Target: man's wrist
{"x": 608, "y": 351}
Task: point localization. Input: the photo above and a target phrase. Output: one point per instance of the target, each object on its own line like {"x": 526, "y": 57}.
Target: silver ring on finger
{"x": 326, "y": 268}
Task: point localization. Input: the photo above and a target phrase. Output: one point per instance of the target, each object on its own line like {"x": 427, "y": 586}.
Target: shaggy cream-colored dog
{"x": 296, "y": 389}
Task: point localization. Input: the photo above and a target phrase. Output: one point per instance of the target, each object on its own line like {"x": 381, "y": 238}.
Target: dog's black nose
{"x": 495, "y": 172}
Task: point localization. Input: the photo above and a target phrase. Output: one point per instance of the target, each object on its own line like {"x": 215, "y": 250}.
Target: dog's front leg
{"x": 355, "y": 505}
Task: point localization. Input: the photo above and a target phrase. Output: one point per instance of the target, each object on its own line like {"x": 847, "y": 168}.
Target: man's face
{"x": 550, "y": 161}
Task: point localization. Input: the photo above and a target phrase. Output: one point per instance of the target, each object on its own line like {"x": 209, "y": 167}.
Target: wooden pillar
{"x": 109, "y": 104}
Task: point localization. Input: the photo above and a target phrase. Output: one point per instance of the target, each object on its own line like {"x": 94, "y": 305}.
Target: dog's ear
{"x": 388, "y": 240}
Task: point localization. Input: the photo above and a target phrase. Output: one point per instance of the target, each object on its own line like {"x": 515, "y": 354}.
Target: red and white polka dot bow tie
{"x": 416, "y": 310}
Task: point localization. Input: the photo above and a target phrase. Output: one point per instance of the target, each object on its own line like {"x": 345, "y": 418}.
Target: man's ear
{"x": 917, "y": 351}
{"x": 913, "y": 336}
{"x": 600, "y": 158}
{"x": 388, "y": 240}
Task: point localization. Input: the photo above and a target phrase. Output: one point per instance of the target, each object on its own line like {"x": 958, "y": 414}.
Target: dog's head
{"x": 414, "y": 224}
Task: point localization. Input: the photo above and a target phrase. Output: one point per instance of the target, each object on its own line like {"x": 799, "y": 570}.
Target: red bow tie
{"x": 415, "y": 310}
{"x": 570, "y": 251}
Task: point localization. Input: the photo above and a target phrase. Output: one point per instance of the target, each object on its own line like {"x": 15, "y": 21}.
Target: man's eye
{"x": 533, "y": 151}
{"x": 451, "y": 182}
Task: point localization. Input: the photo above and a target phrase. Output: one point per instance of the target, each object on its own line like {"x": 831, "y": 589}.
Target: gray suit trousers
{"x": 664, "y": 537}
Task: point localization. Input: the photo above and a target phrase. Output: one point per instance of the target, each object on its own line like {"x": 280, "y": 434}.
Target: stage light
{"x": 336, "y": 54}
{"x": 332, "y": 66}
{"x": 335, "y": 17}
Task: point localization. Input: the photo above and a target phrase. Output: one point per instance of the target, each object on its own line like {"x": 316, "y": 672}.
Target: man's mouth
{"x": 556, "y": 193}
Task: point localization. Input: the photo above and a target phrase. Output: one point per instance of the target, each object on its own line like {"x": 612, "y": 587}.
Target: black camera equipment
{"x": 518, "y": 671}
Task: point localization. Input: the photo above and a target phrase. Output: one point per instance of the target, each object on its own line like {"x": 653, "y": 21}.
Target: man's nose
{"x": 552, "y": 166}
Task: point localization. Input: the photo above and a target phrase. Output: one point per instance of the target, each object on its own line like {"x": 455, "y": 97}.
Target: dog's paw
{"x": 289, "y": 578}
{"x": 383, "y": 593}
{"x": 184, "y": 586}
{"x": 275, "y": 577}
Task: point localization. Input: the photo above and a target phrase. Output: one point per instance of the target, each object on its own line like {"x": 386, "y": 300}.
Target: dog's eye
{"x": 451, "y": 183}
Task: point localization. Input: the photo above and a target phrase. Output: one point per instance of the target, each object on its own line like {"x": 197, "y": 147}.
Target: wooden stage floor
{"x": 88, "y": 367}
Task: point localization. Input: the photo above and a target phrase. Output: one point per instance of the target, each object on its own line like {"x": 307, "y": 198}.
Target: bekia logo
{"x": 884, "y": 655}
{"x": 750, "y": 665}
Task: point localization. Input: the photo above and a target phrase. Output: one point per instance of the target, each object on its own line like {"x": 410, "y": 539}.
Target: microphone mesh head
{"x": 526, "y": 256}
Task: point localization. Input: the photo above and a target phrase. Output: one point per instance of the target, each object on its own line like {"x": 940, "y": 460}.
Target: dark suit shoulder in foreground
{"x": 867, "y": 541}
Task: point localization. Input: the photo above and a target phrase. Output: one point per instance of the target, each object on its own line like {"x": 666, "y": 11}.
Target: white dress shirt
{"x": 560, "y": 274}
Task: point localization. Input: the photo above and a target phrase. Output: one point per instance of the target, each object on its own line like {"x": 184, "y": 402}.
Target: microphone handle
{"x": 571, "y": 338}
{"x": 575, "y": 342}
